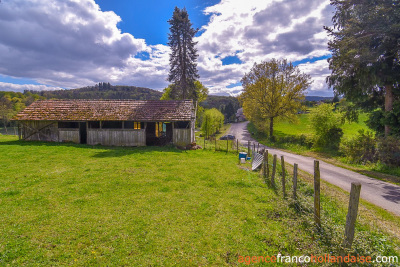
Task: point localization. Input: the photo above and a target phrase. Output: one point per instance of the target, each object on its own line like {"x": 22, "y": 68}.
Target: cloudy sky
{"x": 53, "y": 44}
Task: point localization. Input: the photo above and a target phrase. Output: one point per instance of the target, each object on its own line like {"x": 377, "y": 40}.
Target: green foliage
{"x": 201, "y": 93}
{"x": 273, "y": 90}
{"x": 183, "y": 68}
{"x": 389, "y": 151}
{"x": 378, "y": 118}
{"x": 326, "y": 124}
{"x": 213, "y": 120}
{"x": 11, "y": 103}
{"x": 365, "y": 60}
{"x": 222, "y": 103}
{"x": 360, "y": 149}
{"x": 348, "y": 110}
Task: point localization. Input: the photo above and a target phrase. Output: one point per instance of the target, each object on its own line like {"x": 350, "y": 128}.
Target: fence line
{"x": 330, "y": 217}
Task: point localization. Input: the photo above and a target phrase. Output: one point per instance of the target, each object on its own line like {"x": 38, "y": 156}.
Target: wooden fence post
{"x": 317, "y": 203}
{"x": 283, "y": 176}
{"x": 254, "y": 148}
{"x": 273, "y": 171}
{"x": 248, "y": 148}
{"x": 265, "y": 166}
{"x": 258, "y": 147}
{"x": 266, "y": 161}
{"x": 215, "y": 143}
{"x": 227, "y": 144}
{"x": 204, "y": 143}
{"x": 237, "y": 146}
{"x": 295, "y": 181}
{"x": 352, "y": 215}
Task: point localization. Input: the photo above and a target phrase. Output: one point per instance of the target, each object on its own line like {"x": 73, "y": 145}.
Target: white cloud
{"x": 318, "y": 70}
{"x": 261, "y": 30}
{"x": 21, "y": 87}
{"x": 71, "y": 43}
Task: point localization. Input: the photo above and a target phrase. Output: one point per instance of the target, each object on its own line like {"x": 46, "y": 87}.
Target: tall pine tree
{"x": 183, "y": 68}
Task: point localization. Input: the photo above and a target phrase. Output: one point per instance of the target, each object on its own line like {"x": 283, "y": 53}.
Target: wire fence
{"x": 372, "y": 229}
{"x": 216, "y": 144}
{"x": 9, "y": 131}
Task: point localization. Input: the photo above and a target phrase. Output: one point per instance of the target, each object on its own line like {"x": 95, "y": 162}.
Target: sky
{"x": 64, "y": 44}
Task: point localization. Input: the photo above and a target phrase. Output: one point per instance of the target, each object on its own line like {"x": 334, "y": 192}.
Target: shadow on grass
{"x": 105, "y": 151}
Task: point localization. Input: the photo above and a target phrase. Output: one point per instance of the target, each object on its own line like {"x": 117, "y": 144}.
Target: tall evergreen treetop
{"x": 183, "y": 57}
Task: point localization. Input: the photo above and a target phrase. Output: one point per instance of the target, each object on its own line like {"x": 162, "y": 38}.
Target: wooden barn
{"x": 109, "y": 122}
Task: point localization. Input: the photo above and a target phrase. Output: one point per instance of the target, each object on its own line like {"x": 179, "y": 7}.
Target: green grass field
{"x": 285, "y": 128}
{"x": 65, "y": 204}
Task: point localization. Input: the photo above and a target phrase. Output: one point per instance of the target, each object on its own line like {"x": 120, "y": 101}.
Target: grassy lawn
{"x": 65, "y": 204}
{"x": 284, "y": 128}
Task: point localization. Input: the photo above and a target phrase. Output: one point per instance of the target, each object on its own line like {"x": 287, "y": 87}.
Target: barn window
{"x": 181, "y": 125}
{"x": 133, "y": 125}
{"x": 68, "y": 124}
{"x": 94, "y": 124}
{"x": 111, "y": 125}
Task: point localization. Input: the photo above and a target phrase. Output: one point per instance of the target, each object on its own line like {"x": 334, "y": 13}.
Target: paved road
{"x": 380, "y": 193}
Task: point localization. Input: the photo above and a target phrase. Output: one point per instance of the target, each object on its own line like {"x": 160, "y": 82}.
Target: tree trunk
{"x": 388, "y": 104}
{"x": 271, "y": 127}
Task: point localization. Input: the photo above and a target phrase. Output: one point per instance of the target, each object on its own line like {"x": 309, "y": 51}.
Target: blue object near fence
{"x": 242, "y": 155}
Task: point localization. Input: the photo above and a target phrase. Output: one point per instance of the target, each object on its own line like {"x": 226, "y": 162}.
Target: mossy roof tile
{"x": 108, "y": 110}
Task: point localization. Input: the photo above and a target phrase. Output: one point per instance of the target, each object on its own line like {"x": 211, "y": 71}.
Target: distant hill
{"x": 108, "y": 91}
{"x": 215, "y": 101}
{"x": 319, "y": 98}
{"x": 103, "y": 91}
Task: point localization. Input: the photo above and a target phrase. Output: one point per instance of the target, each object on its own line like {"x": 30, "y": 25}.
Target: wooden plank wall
{"x": 111, "y": 137}
{"x": 49, "y": 133}
{"x": 182, "y": 136}
{"x": 69, "y": 135}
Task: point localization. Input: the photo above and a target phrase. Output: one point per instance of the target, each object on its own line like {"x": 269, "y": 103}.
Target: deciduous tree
{"x": 273, "y": 90}
{"x": 6, "y": 110}
{"x": 213, "y": 120}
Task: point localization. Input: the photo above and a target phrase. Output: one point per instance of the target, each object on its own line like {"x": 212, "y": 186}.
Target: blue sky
{"x": 148, "y": 19}
{"x": 53, "y": 44}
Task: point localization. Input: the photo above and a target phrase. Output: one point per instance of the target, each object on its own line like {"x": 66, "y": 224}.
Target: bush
{"x": 361, "y": 148}
{"x": 302, "y": 140}
{"x": 389, "y": 150}
{"x": 325, "y": 123}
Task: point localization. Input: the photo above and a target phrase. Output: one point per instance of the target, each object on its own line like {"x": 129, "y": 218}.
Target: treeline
{"x": 103, "y": 91}
{"x": 12, "y": 102}
{"x": 227, "y": 105}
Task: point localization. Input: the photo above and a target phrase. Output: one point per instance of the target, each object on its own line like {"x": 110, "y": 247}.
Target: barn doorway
{"x": 83, "y": 133}
{"x": 158, "y": 133}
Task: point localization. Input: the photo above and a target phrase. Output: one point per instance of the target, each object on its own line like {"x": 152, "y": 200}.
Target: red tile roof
{"x": 108, "y": 110}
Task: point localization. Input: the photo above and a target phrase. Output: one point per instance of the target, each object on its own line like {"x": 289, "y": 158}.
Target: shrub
{"x": 302, "y": 139}
{"x": 389, "y": 150}
{"x": 326, "y": 124}
{"x": 361, "y": 148}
